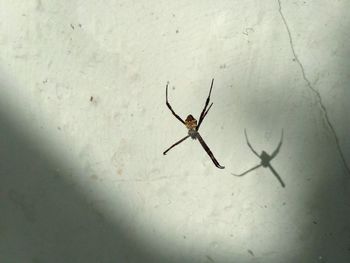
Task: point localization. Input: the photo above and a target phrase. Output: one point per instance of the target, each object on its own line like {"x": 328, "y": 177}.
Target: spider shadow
{"x": 265, "y": 159}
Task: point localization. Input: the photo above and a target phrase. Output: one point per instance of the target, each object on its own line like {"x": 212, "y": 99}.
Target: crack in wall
{"x": 316, "y": 92}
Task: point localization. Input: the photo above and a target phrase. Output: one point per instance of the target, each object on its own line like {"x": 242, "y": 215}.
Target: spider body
{"x": 265, "y": 159}
{"x": 192, "y": 126}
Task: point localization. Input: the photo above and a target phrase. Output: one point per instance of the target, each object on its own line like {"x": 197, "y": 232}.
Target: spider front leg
{"x": 170, "y": 108}
{"x": 205, "y": 114}
{"x": 250, "y": 146}
{"x": 205, "y": 111}
{"x": 274, "y": 154}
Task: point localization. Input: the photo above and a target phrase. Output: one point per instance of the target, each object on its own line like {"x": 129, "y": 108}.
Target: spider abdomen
{"x": 192, "y": 133}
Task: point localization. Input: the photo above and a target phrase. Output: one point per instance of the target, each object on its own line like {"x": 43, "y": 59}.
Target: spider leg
{"x": 251, "y": 169}
{"x": 205, "y": 114}
{"x": 201, "y": 117}
{"x": 170, "y": 108}
{"x": 250, "y": 146}
{"x": 206, "y": 148}
{"x": 273, "y": 155}
{"x": 277, "y": 175}
{"x": 164, "y": 153}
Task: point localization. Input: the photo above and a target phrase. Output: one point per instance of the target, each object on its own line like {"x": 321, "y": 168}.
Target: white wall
{"x": 86, "y": 181}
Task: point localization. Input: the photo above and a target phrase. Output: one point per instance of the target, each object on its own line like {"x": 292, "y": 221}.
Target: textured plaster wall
{"x": 83, "y": 124}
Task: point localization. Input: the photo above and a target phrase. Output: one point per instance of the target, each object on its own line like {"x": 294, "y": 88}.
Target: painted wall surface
{"x": 83, "y": 125}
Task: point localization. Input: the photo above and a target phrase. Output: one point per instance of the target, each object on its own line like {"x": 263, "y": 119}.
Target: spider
{"x": 265, "y": 159}
{"x": 191, "y": 124}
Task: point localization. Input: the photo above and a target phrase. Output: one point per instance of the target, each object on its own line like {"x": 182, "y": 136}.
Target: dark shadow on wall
{"x": 324, "y": 219}
{"x": 46, "y": 218}
{"x": 322, "y": 216}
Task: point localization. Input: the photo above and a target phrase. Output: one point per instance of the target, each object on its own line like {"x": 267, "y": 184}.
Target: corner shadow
{"x": 44, "y": 218}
